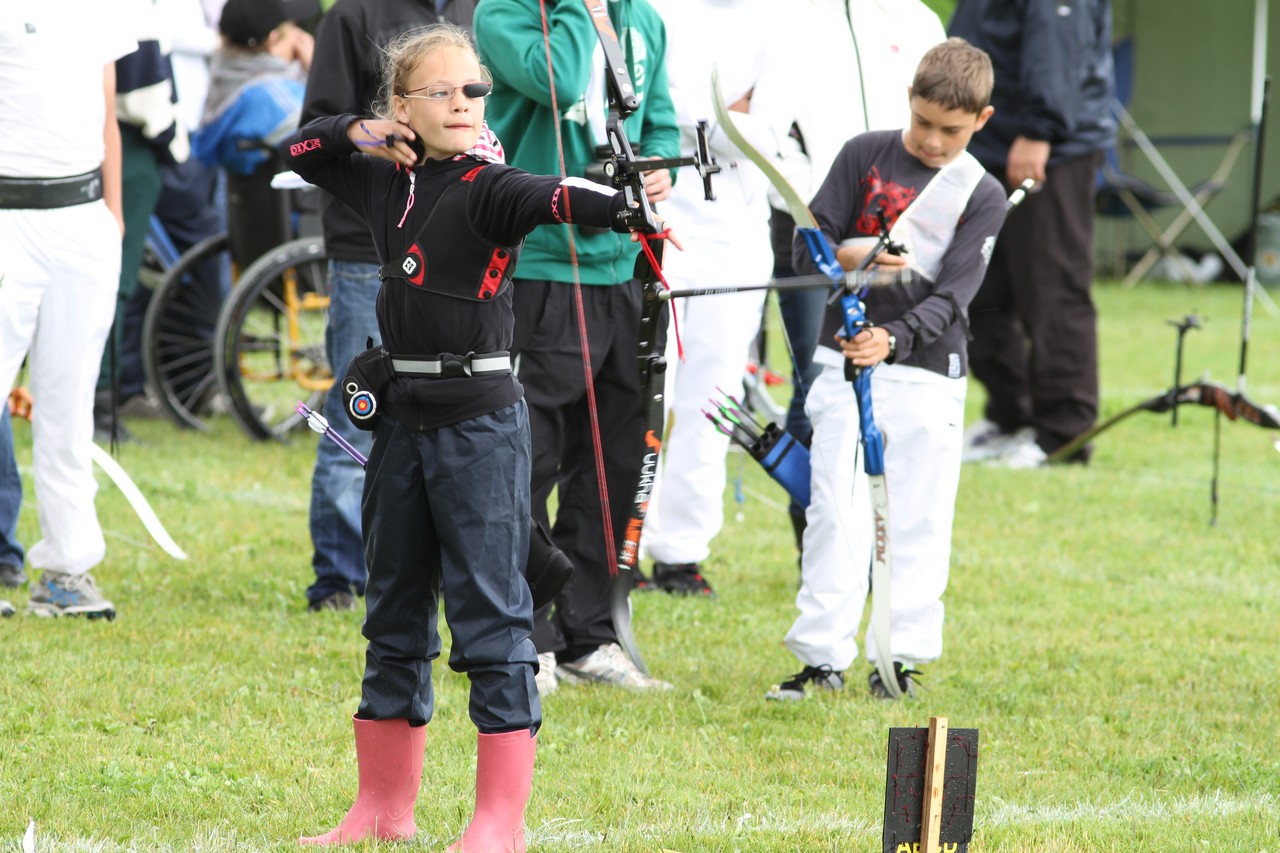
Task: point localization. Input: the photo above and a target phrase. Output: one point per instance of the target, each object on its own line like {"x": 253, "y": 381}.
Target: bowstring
{"x": 597, "y": 444}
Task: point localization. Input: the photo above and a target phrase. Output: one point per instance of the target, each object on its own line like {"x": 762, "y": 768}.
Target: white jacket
{"x": 853, "y": 61}
{"x": 736, "y": 37}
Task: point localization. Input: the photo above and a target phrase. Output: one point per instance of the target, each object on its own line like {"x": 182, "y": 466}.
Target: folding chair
{"x": 1140, "y": 198}
{"x": 1120, "y": 193}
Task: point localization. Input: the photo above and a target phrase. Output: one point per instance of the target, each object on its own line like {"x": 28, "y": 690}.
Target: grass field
{"x": 1118, "y": 654}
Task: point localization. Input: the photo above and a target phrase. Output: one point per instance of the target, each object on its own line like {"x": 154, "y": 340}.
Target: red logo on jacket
{"x": 297, "y": 149}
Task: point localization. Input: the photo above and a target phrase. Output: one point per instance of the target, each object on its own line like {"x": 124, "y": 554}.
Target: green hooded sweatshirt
{"x": 510, "y": 40}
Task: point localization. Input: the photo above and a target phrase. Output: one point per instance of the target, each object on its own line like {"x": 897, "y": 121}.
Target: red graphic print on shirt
{"x": 878, "y": 194}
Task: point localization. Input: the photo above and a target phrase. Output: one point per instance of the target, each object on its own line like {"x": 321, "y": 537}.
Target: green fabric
{"x": 141, "y": 183}
{"x": 509, "y": 36}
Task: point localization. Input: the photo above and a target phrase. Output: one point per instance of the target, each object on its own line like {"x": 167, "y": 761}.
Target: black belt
{"x": 50, "y": 193}
{"x": 450, "y": 366}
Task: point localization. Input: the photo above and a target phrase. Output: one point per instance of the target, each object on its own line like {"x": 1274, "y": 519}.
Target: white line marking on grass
{"x": 575, "y": 833}
{"x": 1130, "y": 808}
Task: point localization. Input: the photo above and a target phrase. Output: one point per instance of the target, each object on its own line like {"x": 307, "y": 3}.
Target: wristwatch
{"x": 893, "y": 346}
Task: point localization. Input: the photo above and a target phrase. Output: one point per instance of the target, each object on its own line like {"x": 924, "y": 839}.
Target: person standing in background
{"x": 1034, "y": 324}
{"x": 56, "y": 306}
{"x": 579, "y": 632}
{"x": 151, "y": 136}
{"x": 726, "y": 243}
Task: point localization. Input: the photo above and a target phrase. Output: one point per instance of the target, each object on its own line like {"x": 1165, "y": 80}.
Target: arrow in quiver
{"x": 783, "y": 458}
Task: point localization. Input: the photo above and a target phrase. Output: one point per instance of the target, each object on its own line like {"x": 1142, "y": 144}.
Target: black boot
{"x": 107, "y": 426}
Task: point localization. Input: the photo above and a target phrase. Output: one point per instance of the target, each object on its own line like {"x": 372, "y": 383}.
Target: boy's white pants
{"x": 687, "y": 508}
{"x": 61, "y": 270}
{"x": 921, "y": 415}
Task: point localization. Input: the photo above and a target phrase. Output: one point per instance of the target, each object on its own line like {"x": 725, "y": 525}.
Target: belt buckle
{"x": 454, "y": 367}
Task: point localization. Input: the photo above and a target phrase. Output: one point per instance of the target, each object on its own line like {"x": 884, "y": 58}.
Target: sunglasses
{"x": 441, "y": 92}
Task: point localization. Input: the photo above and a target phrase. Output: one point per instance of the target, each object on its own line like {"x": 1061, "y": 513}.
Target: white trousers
{"x": 921, "y": 415}
{"x": 687, "y": 508}
{"x": 61, "y": 270}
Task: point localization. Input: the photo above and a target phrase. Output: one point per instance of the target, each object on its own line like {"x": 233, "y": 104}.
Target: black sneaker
{"x": 640, "y": 581}
{"x": 821, "y": 677}
{"x": 906, "y": 682}
{"x": 106, "y": 429}
{"x": 12, "y": 576}
{"x": 681, "y": 579}
{"x": 334, "y": 601}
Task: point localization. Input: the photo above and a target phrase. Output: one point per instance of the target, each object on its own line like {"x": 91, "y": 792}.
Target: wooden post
{"x": 934, "y": 778}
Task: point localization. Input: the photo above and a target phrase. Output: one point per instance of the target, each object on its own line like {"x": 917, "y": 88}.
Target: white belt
{"x": 447, "y": 365}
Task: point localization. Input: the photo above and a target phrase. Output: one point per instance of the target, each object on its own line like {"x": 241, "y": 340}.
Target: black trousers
{"x": 549, "y": 363}
{"x": 448, "y": 510}
{"x": 1034, "y": 325}
{"x": 141, "y": 179}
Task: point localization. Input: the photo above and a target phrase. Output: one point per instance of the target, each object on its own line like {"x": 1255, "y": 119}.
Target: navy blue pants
{"x": 446, "y": 511}
{"x": 11, "y": 551}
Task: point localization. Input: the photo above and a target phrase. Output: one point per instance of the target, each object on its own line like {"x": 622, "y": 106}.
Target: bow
{"x": 855, "y": 319}
{"x": 1234, "y": 404}
{"x": 626, "y": 172}
{"x": 20, "y": 406}
{"x": 1215, "y": 396}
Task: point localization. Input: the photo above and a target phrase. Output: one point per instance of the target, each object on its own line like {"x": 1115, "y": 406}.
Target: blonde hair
{"x": 956, "y": 76}
{"x": 403, "y": 54}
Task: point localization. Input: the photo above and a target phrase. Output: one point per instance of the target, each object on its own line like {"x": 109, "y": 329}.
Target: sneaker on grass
{"x": 62, "y": 594}
{"x": 1023, "y": 452}
{"x": 340, "y": 600}
{"x": 906, "y": 682}
{"x": 640, "y": 581}
{"x": 608, "y": 665}
{"x": 819, "y": 677}
{"x": 984, "y": 441}
{"x": 546, "y": 676}
{"x": 682, "y": 579}
{"x": 6, "y": 609}
{"x": 12, "y": 576}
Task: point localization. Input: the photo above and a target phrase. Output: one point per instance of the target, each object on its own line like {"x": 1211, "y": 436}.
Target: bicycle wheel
{"x": 177, "y": 334}
{"x": 269, "y": 348}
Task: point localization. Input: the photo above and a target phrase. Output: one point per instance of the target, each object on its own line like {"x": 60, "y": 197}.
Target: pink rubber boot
{"x": 504, "y": 775}
{"x": 389, "y": 757}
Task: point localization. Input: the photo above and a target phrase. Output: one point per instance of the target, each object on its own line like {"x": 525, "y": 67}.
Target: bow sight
{"x": 619, "y": 164}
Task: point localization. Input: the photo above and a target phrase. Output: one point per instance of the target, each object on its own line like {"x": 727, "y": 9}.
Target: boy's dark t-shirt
{"x": 928, "y": 319}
